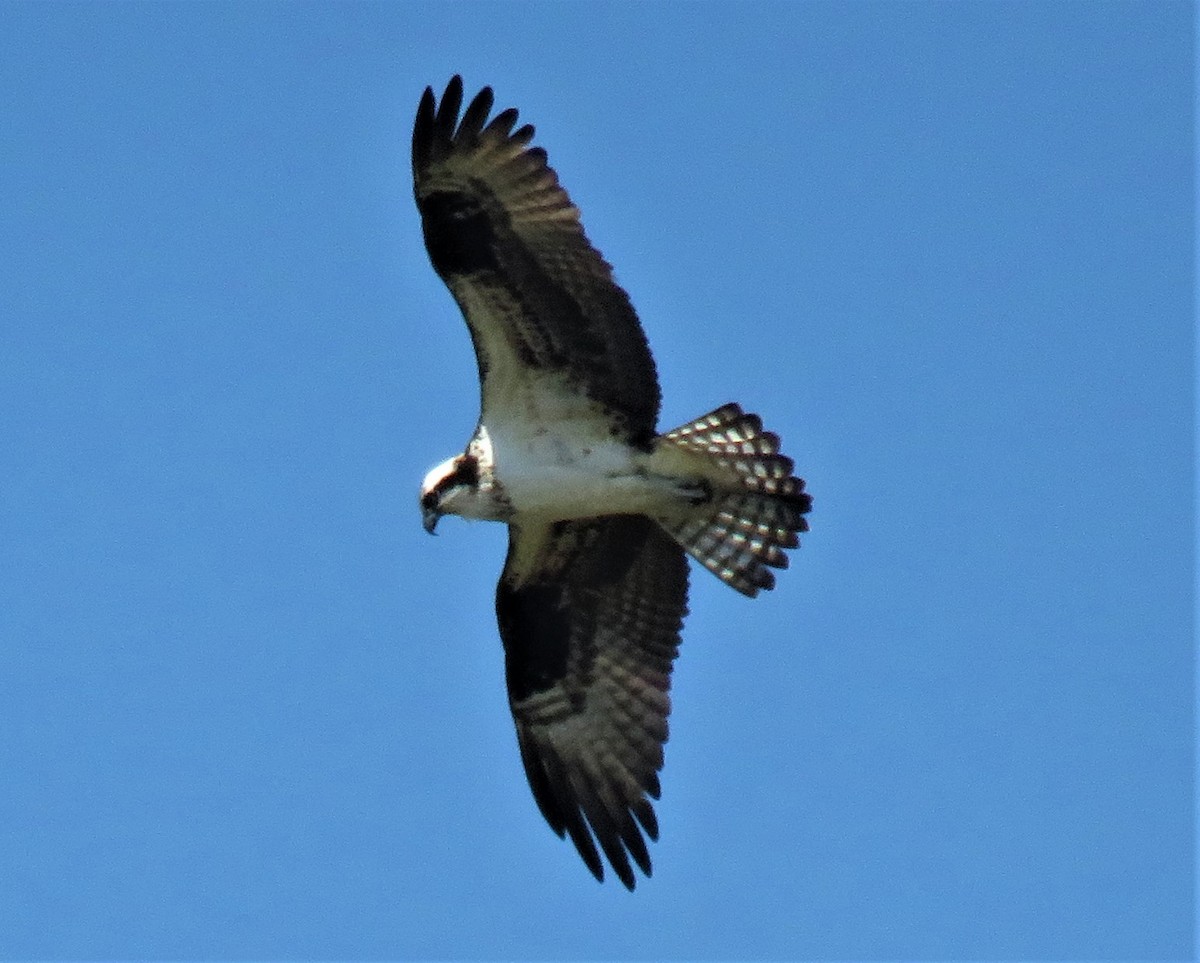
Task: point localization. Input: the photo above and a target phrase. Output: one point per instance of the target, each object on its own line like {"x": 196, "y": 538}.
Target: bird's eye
{"x": 429, "y": 499}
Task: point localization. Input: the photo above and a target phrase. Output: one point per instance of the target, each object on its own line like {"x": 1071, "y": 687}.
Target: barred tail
{"x": 756, "y": 507}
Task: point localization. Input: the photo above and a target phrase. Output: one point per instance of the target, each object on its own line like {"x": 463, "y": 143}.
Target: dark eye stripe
{"x": 467, "y": 473}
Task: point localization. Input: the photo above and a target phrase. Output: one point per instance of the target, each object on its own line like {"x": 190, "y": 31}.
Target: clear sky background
{"x": 248, "y": 708}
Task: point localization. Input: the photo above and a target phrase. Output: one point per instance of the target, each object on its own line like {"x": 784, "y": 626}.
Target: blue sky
{"x": 249, "y": 709}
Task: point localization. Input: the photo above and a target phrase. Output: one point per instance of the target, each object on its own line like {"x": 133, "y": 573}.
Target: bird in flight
{"x": 601, "y": 508}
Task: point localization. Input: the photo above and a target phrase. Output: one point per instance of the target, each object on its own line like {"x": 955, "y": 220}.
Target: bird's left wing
{"x": 590, "y": 613}
{"x": 541, "y": 303}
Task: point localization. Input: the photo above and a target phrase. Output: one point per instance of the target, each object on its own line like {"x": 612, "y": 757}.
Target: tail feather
{"x": 758, "y": 505}
{"x": 737, "y": 442}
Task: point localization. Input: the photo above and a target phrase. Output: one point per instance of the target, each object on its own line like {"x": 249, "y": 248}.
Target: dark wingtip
{"x": 476, "y": 114}
{"x": 422, "y": 138}
{"x": 451, "y": 101}
{"x": 586, "y": 848}
{"x": 644, "y": 813}
{"x": 438, "y": 127}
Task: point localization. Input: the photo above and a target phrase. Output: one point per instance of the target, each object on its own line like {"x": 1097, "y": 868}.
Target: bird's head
{"x": 449, "y": 489}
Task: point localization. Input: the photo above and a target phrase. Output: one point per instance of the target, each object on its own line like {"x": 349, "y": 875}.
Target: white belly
{"x": 554, "y": 474}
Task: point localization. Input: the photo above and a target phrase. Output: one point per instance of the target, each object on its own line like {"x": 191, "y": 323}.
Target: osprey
{"x": 600, "y": 507}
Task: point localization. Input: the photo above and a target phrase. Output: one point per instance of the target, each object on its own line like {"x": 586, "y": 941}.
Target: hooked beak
{"x": 429, "y": 518}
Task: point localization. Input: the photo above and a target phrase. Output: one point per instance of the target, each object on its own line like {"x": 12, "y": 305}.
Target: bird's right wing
{"x": 590, "y": 614}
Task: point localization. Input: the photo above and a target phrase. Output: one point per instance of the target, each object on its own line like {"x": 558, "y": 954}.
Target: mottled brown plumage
{"x": 503, "y": 233}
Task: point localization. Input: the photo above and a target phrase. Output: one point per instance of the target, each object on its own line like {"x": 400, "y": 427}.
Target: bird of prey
{"x": 601, "y": 508}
